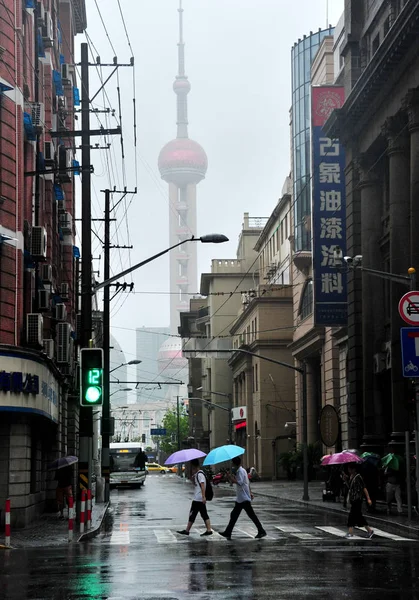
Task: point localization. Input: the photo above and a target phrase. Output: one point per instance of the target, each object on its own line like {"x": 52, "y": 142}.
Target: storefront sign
{"x": 329, "y": 211}
{"x": 239, "y": 413}
{"x": 28, "y": 385}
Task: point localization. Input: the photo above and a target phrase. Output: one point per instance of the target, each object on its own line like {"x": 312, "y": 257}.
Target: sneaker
{"x": 225, "y": 535}
{"x": 261, "y": 534}
{"x": 349, "y": 535}
{"x": 371, "y": 533}
{"x": 206, "y": 533}
{"x": 183, "y": 532}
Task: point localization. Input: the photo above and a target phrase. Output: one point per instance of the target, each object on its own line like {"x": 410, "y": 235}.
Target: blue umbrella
{"x": 60, "y": 463}
{"x": 223, "y": 453}
{"x": 182, "y": 456}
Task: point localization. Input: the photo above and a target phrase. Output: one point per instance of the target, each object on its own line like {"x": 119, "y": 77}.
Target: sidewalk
{"x": 293, "y": 491}
{"x": 49, "y": 530}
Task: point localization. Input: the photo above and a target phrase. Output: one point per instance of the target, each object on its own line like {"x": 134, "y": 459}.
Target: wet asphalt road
{"x": 140, "y": 556}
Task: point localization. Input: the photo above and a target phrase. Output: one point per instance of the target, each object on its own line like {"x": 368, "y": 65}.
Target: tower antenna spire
{"x": 181, "y": 86}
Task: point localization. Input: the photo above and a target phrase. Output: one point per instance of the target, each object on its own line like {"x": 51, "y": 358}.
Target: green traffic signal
{"x": 91, "y": 380}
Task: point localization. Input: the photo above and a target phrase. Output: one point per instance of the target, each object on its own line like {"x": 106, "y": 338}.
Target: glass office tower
{"x": 302, "y": 56}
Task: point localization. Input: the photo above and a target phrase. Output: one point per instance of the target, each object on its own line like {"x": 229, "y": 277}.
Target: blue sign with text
{"x": 159, "y": 431}
{"x": 410, "y": 351}
{"x": 329, "y": 212}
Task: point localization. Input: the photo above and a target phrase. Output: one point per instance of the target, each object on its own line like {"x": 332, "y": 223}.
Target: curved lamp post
{"x": 213, "y": 238}
{"x": 131, "y": 362}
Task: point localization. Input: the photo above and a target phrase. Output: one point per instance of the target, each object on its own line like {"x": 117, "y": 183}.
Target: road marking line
{"x": 339, "y": 532}
{"x": 165, "y": 536}
{"x": 120, "y": 537}
{"x": 288, "y": 529}
{"x": 391, "y": 536}
{"x": 306, "y": 536}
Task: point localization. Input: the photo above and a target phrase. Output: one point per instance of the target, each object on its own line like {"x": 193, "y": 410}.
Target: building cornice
{"x": 254, "y": 305}
{"x": 382, "y": 72}
{"x": 271, "y": 221}
{"x": 311, "y": 342}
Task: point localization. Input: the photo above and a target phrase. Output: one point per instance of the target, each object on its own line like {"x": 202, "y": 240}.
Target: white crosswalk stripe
{"x": 165, "y": 536}
{"x": 391, "y": 536}
{"x": 288, "y": 529}
{"x": 120, "y": 537}
{"x": 339, "y": 532}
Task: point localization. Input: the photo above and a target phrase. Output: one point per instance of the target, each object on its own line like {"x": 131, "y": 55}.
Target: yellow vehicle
{"x": 156, "y": 468}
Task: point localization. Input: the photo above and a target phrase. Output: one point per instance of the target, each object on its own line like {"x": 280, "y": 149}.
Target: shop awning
{"x": 240, "y": 425}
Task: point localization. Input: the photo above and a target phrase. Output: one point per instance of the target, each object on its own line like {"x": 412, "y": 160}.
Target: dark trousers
{"x": 235, "y": 513}
{"x": 198, "y": 507}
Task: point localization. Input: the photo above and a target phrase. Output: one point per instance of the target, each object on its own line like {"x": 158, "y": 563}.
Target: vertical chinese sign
{"x": 329, "y": 211}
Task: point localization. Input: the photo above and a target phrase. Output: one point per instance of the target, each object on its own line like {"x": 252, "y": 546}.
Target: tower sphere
{"x": 181, "y": 86}
{"x": 183, "y": 161}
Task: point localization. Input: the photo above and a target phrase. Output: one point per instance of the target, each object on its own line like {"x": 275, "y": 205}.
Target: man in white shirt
{"x": 199, "y": 500}
{"x": 243, "y": 501}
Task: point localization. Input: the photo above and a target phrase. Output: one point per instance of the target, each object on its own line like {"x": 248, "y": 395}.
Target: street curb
{"x": 392, "y": 526}
{"x": 94, "y": 532}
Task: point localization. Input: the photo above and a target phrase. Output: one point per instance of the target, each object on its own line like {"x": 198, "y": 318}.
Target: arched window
{"x": 306, "y": 301}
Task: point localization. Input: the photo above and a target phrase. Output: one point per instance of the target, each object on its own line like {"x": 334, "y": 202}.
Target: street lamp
{"x": 213, "y": 405}
{"x": 230, "y": 409}
{"x": 214, "y": 238}
{"x": 123, "y": 390}
{"x": 303, "y": 372}
{"x": 131, "y": 362}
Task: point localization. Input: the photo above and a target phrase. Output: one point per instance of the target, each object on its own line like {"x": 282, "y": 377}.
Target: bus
{"x": 122, "y": 470}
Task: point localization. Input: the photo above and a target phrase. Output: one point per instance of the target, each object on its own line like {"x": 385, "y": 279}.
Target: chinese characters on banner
{"x": 329, "y": 211}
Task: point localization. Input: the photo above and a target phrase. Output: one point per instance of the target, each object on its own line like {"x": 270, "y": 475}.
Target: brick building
{"x": 38, "y": 258}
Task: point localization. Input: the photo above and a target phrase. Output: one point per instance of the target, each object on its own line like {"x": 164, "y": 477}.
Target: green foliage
{"x": 292, "y": 461}
{"x": 168, "y": 443}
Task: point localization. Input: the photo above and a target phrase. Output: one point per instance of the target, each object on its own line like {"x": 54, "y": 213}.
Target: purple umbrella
{"x": 342, "y": 458}
{"x": 182, "y": 456}
{"x": 60, "y": 463}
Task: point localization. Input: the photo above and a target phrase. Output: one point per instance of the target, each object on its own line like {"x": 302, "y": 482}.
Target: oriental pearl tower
{"x": 183, "y": 164}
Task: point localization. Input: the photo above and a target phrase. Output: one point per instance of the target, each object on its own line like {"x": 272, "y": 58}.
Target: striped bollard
{"x": 7, "y": 523}
{"x": 82, "y": 510}
{"x": 70, "y": 518}
{"x": 89, "y": 510}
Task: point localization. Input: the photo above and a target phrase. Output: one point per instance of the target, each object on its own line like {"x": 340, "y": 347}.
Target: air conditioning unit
{"x": 66, "y": 73}
{"x": 379, "y": 362}
{"x": 66, "y": 223}
{"x": 64, "y": 343}
{"x": 387, "y": 355}
{"x": 34, "y": 327}
{"x": 64, "y": 291}
{"x": 48, "y": 30}
{"x": 38, "y": 115}
{"x": 44, "y": 298}
{"x": 65, "y": 162}
{"x": 45, "y": 272}
{"x": 39, "y": 242}
{"x": 49, "y": 153}
{"x": 49, "y": 348}
{"x": 60, "y": 311}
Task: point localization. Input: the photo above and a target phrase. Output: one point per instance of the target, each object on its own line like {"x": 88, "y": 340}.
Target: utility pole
{"x": 106, "y": 408}
{"x": 86, "y": 417}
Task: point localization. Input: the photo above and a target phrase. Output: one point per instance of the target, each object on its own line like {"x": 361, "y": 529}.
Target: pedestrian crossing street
{"x": 314, "y": 534}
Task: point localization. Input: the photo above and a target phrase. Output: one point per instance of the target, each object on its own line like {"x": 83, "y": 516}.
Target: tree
{"x": 168, "y": 442}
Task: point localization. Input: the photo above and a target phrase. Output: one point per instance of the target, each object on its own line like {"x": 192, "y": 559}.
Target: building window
{"x": 256, "y": 379}
{"x": 306, "y": 302}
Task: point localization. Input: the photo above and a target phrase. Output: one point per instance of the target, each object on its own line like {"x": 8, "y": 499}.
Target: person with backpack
{"x": 243, "y": 501}
{"x": 202, "y": 493}
{"x": 357, "y": 491}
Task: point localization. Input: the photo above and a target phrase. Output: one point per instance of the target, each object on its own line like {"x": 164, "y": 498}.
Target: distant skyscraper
{"x": 182, "y": 163}
{"x": 148, "y": 342}
{"x": 119, "y": 398}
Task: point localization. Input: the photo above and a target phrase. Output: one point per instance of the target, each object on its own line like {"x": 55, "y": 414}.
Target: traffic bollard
{"x": 7, "y": 523}
{"x": 89, "y": 510}
{"x": 70, "y": 518}
{"x": 82, "y": 510}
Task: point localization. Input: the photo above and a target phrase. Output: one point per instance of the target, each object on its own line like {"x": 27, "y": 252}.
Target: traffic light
{"x": 91, "y": 377}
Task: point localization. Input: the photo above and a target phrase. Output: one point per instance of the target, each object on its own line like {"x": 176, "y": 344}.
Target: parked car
{"x": 155, "y": 467}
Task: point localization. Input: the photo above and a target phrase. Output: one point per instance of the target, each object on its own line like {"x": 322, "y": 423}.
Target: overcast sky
{"x": 238, "y": 64}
